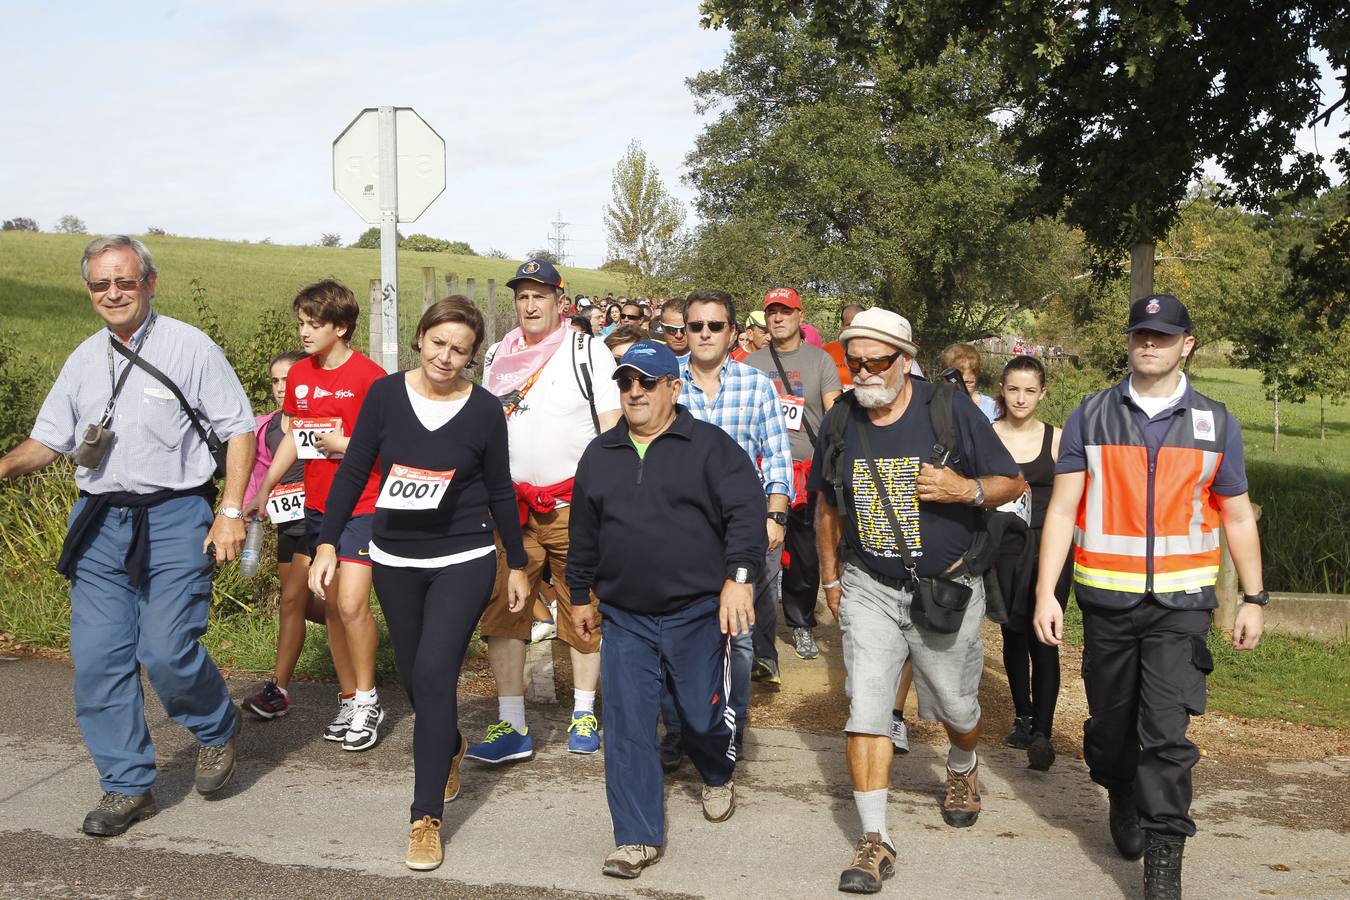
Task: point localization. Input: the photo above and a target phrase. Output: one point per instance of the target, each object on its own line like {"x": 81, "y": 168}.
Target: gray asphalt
{"x": 302, "y": 819}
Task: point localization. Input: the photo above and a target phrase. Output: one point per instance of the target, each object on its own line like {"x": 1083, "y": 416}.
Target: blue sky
{"x": 216, "y": 119}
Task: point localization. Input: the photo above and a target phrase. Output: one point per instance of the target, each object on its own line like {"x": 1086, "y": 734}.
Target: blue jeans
{"x": 116, "y": 630}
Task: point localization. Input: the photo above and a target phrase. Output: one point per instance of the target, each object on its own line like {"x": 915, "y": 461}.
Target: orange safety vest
{"x": 1149, "y": 527}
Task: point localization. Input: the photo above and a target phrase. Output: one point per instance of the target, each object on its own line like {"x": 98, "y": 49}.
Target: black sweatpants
{"x": 1144, "y": 670}
{"x": 801, "y": 579}
{"x": 431, "y": 615}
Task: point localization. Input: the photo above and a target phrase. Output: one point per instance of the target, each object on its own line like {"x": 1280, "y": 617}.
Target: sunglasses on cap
{"x": 647, "y": 382}
{"x": 874, "y": 365}
{"x": 714, "y": 327}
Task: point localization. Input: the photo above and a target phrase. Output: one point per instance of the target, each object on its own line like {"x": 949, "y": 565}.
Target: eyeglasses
{"x": 672, "y": 329}
{"x": 123, "y": 284}
{"x": 648, "y": 383}
{"x": 714, "y": 327}
{"x": 874, "y": 365}
{"x": 627, "y": 318}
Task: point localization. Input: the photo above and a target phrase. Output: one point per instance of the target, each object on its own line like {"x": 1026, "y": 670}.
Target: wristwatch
{"x": 231, "y": 512}
{"x": 779, "y": 517}
{"x": 979, "y": 493}
{"x": 1260, "y": 599}
{"x": 741, "y": 575}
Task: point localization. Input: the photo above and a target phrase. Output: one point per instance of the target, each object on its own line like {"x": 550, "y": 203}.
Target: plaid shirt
{"x": 746, "y": 407}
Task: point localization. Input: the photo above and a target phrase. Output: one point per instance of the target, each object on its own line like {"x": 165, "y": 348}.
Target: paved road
{"x": 305, "y": 819}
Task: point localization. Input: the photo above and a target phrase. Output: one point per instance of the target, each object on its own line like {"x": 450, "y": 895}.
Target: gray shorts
{"x": 879, "y": 637}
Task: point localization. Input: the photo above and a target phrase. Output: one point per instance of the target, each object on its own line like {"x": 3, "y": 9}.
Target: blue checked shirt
{"x": 746, "y": 407}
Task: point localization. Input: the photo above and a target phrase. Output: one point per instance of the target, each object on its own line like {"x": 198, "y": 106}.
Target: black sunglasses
{"x": 874, "y": 365}
{"x": 648, "y": 383}
{"x": 627, "y": 318}
{"x": 714, "y": 327}
{"x": 672, "y": 329}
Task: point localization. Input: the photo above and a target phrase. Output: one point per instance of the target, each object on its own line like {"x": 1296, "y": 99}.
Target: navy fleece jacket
{"x": 656, "y": 534}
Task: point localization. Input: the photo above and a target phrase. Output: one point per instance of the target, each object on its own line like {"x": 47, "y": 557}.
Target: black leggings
{"x": 1033, "y": 667}
{"x": 431, "y": 615}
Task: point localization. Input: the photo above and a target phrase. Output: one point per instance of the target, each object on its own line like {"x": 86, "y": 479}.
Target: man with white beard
{"x": 902, "y": 478}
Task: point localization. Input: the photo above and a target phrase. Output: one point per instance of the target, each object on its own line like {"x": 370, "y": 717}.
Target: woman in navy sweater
{"x": 445, "y": 487}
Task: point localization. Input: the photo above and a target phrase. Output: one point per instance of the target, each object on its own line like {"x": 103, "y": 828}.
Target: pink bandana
{"x": 516, "y": 362}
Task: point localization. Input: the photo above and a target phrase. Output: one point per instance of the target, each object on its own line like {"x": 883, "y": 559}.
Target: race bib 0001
{"x": 306, "y": 431}
{"x": 794, "y": 411}
{"x": 407, "y": 488}
{"x": 286, "y": 503}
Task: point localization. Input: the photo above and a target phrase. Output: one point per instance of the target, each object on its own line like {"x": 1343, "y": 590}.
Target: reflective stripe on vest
{"x": 1114, "y": 564}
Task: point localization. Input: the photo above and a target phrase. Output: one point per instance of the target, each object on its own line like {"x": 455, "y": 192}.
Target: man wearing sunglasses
{"x": 882, "y": 471}
{"x": 672, "y": 329}
{"x": 741, "y": 401}
{"x": 807, "y": 384}
{"x": 662, "y": 478}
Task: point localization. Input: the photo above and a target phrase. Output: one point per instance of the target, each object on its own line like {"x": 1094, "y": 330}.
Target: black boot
{"x": 1162, "y": 866}
{"x": 1125, "y": 830}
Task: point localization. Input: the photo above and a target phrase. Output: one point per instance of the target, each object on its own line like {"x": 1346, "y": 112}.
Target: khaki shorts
{"x": 545, "y": 543}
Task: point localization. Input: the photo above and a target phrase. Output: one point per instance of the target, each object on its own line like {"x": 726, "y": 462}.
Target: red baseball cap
{"x": 783, "y": 297}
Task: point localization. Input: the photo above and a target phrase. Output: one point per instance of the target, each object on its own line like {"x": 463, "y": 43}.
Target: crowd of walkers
{"x": 767, "y": 468}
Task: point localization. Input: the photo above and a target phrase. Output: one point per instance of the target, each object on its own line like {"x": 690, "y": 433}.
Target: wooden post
{"x": 376, "y": 326}
{"x": 1141, "y": 270}
{"x": 471, "y": 289}
{"x": 491, "y": 315}
{"x": 428, "y": 287}
{"x": 452, "y": 284}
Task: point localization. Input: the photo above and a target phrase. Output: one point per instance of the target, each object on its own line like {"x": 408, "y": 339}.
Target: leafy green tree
{"x": 370, "y": 238}
{"x": 20, "y": 223}
{"x": 642, "y": 220}
{"x": 423, "y": 243}
{"x": 330, "y": 239}
{"x": 546, "y": 255}
{"x": 69, "y": 224}
{"x": 1115, "y": 107}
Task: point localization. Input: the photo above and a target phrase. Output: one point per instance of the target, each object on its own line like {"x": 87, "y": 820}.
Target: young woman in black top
{"x": 445, "y": 487}
{"x": 1032, "y": 667}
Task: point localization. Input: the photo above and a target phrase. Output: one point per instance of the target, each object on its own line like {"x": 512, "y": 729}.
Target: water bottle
{"x": 248, "y": 560}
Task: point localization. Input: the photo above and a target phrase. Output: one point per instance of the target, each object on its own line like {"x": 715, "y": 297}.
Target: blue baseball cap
{"x": 1162, "y": 313}
{"x": 539, "y": 270}
{"x": 651, "y": 359}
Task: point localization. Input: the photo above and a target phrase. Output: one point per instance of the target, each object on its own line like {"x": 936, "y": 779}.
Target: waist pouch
{"x": 940, "y": 604}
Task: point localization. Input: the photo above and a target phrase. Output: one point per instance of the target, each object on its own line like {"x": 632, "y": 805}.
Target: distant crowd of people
{"x": 652, "y": 481}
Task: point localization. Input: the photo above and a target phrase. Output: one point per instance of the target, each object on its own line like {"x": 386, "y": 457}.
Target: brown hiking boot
{"x": 424, "y": 845}
{"x": 452, "y": 783}
{"x": 961, "y": 805}
{"x": 628, "y": 860}
{"x": 873, "y": 862}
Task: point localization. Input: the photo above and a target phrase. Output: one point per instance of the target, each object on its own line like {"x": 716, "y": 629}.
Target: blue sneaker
{"x": 583, "y": 734}
{"x": 502, "y": 744}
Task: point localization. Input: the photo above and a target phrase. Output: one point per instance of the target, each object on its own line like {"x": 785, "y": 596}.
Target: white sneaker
{"x": 543, "y": 631}
{"x": 336, "y": 730}
{"x": 364, "y": 732}
{"x": 899, "y": 735}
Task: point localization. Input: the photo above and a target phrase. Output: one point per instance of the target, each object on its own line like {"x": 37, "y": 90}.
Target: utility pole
{"x": 558, "y": 239}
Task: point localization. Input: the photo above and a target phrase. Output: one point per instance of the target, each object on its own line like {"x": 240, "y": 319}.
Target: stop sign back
{"x": 421, "y": 164}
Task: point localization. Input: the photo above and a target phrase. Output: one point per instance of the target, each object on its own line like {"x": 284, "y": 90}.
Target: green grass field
{"x": 47, "y": 308}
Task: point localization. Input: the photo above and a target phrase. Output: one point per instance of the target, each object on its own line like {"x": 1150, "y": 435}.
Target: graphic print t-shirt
{"x": 315, "y": 393}
{"x": 811, "y": 374}
{"x": 937, "y": 533}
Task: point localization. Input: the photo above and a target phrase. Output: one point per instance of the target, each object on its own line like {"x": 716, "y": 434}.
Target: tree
{"x": 546, "y": 255}
{"x": 869, "y": 183}
{"x": 494, "y": 253}
{"x": 1115, "y": 107}
{"x": 370, "y": 238}
{"x": 69, "y": 224}
{"x": 642, "y": 220}
{"x": 20, "y": 223}
{"x": 423, "y": 243}
{"x": 330, "y": 240}
{"x": 155, "y": 231}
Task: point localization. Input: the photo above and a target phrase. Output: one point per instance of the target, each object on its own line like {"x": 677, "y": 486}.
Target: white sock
{"x": 583, "y": 701}
{"x": 285, "y": 693}
{"x": 872, "y": 811}
{"x": 512, "y": 709}
{"x": 367, "y": 698}
{"x": 960, "y": 761}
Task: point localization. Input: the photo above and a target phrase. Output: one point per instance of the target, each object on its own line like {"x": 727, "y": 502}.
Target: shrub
{"x": 370, "y": 238}
{"x": 71, "y": 225}
{"x": 156, "y": 231}
{"x": 20, "y": 224}
{"x": 330, "y": 240}
{"x": 423, "y": 243}
{"x": 22, "y": 392}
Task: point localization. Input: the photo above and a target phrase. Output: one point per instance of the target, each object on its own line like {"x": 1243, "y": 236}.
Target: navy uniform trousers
{"x": 1144, "y": 671}
{"x": 686, "y": 651}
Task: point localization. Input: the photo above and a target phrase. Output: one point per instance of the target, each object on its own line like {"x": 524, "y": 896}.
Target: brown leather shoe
{"x": 961, "y": 805}
{"x": 452, "y": 783}
{"x": 873, "y": 862}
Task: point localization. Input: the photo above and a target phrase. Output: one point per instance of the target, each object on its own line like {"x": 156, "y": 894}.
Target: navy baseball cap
{"x": 1161, "y": 312}
{"x": 651, "y": 359}
{"x": 540, "y": 270}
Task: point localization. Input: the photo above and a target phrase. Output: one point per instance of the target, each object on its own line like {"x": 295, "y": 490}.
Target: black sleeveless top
{"x": 1040, "y": 475}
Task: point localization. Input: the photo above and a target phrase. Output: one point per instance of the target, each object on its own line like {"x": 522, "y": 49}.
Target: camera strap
{"x": 212, "y": 442}
{"x": 117, "y": 383}
{"x": 787, "y": 386}
{"x": 884, "y": 500}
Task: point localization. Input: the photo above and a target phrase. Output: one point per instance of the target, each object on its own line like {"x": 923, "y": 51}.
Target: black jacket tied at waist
{"x": 138, "y": 552}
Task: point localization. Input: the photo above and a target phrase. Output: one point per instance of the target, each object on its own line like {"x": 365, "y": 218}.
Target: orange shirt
{"x": 836, "y": 351}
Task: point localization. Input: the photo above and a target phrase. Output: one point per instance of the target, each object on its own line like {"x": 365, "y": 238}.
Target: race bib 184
{"x": 794, "y": 411}
{"x": 408, "y": 488}
{"x": 306, "y": 431}
{"x": 286, "y": 503}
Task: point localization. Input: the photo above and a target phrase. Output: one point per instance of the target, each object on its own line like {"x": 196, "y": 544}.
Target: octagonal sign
{"x": 421, "y": 164}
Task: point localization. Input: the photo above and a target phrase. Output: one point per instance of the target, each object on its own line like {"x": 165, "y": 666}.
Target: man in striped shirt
{"x": 742, "y": 402}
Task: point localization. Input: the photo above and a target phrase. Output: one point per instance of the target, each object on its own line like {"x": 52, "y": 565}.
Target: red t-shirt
{"x": 739, "y": 353}
{"x": 315, "y": 393}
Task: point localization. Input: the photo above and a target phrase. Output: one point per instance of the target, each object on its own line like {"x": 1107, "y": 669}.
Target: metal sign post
{"x": 389, "y": 165}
